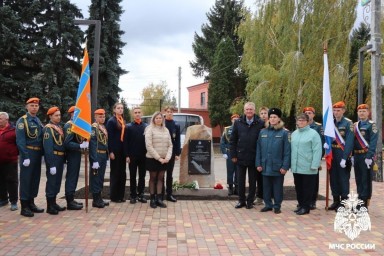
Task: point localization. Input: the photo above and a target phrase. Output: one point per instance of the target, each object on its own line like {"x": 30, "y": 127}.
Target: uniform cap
{"x": 71, "y": 109}
{"x": 52, "y": 110}
{"x": 363, "y": 106}
{"x": 235, "y": 116}
{"x": 100, "y": 111}
{"x": 274, "y": 111}
{"x": 33, "y": 100}
{"x": 339, "y": 104}
{"x": 309, "y": 109}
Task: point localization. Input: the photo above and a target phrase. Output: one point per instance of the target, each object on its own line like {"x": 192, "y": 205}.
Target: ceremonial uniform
{"x": 339, "y": 176}
{"x": 29, "y": 140}
{"x": 364, "y": 150}
{"x": 231, "y": 166}
{"x": 54, "y": 155}
{"x": 72, "y": 144}
{"x": 98, "y": 153}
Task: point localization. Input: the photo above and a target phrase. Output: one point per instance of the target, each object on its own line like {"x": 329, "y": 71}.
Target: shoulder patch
{"x": 374, "y": 128}
{"x": 69, "y": 131}
{"x": 351, "y": 127}
{"x": 46, "y": 135}
{"x": 20, "y": 126}
{"x": 93, "y": 133}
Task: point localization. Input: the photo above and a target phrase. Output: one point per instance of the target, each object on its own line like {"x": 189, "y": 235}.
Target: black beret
{"x": 274, "y": 111}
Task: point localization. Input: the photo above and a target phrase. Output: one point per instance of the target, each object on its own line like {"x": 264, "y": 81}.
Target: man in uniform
{"x": 54, "y": 155}
{"x": 243, "y": 152}
{"x": 73, "y": 145}
{"x": 364, "y": 151}
{"x": 310, "y": 111}
{"x": 225, "y": 150}
{"x": 342, "y": 147}
{"x": 135, "y": 150}
{"x": 29, "y": 140}
{"x": 98, "y": 156}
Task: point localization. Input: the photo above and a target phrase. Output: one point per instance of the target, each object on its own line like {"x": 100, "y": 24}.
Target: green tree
{"x": 108, "y": 12}
{"x": 223, "y": 20}
{"x": 220, "y": 91}
{"x": 155, "y": 97}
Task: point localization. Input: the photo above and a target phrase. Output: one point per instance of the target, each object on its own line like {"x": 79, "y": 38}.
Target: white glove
{"x": 353, "y": 161}
{"x": 84, "y": 145}
{"x": 326, "y": 146}
{"x": 368, "y": 162}
{"x": 26, "y": 162}
{"x": 95, "y": 165}
{"x": 225, "y": 156}
{"x": 342, "y": 163}
{"x": 52, "y": 170}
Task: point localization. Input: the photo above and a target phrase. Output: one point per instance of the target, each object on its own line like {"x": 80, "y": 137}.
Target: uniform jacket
{"x": 273, "y": 150}
{"x": 174, "y": 131}
{"x": 369, "y": 131}
{"x": 345, "y": 127}
{"x": 8, "y": 147}
{"x": 114, "y": 136}
{"x": 29, "y": 132}
{"x": 158, "y": 142}
{"x": 72, "y": 140}
{"x": 319, "y": 128}
{"x": 134, "y": 142}
{"x": 224, "y": 141}
{"x": 306, "y": 150}
{"x": 98, "y": 143}
{"x": 53, "y": 143}
{"x": 243, "y": 140}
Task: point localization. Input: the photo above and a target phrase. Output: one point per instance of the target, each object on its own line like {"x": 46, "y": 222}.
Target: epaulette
{"x": 94, "y": 125}
{"x": 349, "y": 120}
{"x": 69, "y": 122}
{"x": 318, "y": 123}
{"x": 371, "y": 122}
{"x": 24, "y": 116}
{"x": 49, "y": 125}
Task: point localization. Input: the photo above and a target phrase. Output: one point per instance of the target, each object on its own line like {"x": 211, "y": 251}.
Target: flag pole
{"x": 325, "y": 47}
{"x": 86, "y": 178}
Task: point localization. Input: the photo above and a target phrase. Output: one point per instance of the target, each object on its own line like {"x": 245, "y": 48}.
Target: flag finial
{"x": 325, "y": 46}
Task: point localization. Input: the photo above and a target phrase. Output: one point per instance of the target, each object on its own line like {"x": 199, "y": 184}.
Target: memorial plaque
{"x": 199, "y": 157}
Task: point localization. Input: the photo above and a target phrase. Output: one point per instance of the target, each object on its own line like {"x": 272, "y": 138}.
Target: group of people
{"x": 153, "y": 147}
{"x": 263, "y": 146}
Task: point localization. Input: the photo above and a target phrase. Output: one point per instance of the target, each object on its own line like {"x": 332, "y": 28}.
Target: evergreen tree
{"x": 220, "y": 91}
{"x": 108, "y": 12}
{"x": 223, "y": 19}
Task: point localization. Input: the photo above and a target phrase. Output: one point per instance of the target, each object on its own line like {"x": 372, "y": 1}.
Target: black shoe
{"x": 97, "y": 201}
{"x": 240, "y": 205}
{"x": 132, "y": 200}
{"x": 73, "y": 206}
{"x": 142, "y": 199}
{"x": 59, "y": 208}
{"x": 25, "y": 211}
{"x": 34, "y": 208}
{"x": 277, "y": 211}
{"x": 171, "y": 198}
{"x": 302, "y": 211}
{"x": 78, "y": 203}
{"x": 266, "y": 209}
{"x": 334, "y": 205}
{"x": 230, "y": 191}
{"x": 312, "y": 206}
{"x": 51, "y": 206}
{"x": 297, "y": 209}
{"x": 123, "y": 200}
{"x": 152, "y": 203}
{"x": 249, "y": 205}
{"x": 160, "y": 203}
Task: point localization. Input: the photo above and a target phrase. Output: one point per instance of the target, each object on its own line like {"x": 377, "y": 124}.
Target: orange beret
{"x": 235, "y": 116}
{"x": 52, "y": 110}
{"x": 71, "y": 109}
{"x": 100, "y": 111}
{"x": 33, "y": 100}
{"x": 339, "y": 104}
{"x": 309, "y": 109}
{"x": 363, "y": 106}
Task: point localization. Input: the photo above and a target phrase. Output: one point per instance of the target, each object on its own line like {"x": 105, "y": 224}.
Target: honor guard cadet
{"x": 98, "y": 156}
{"x": 342, "y": 148}
{"x": 310, "y": 111}
{"x": 364, "y": 151}
{"x": 29, "y": 140}
{"x": 73, "y": 145}
{"x": 54, "y": 155}
{"x": 225, "y": 150}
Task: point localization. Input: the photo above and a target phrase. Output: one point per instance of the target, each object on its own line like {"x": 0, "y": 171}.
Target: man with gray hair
{"x": 8, "y": 163}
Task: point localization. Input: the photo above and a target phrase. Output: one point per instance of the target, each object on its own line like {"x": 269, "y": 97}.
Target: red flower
{"x": 218, "y": 186}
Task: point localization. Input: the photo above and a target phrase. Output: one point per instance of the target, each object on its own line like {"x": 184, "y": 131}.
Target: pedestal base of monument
{"x": 201, "y": 193}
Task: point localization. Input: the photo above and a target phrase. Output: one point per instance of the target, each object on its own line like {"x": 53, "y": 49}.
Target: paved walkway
{"x": 188, "y": 228}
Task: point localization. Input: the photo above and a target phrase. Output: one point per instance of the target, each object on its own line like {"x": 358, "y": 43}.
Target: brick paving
{"x": 186, "y": 228}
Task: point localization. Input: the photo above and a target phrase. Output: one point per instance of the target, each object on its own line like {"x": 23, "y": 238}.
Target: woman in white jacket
{"x": 159, "y": 151}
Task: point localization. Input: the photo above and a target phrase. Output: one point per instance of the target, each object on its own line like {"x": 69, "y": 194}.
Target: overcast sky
{"x": 158, "y": 37}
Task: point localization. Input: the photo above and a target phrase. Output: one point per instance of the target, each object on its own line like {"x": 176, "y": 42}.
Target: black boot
{"x": 97, "y": 201}
{"x": 335, "y": 204}
{"x": 160, "y": 203}
{"x": 71, "y": 204}
{"x": 58, "y": 207}
{"x": 51, "y": 206}
{"x": 105, "y": 202}
{"x": 142, "y": 199}
{"x": 25, "y": 211}
{"x": 34, "y": 208}
{"x": 230, "y": 189}
{"x": 152, "y": 202}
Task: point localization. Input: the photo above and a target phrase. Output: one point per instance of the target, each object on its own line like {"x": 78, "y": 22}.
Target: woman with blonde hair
{"x": 159, "y": 151}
